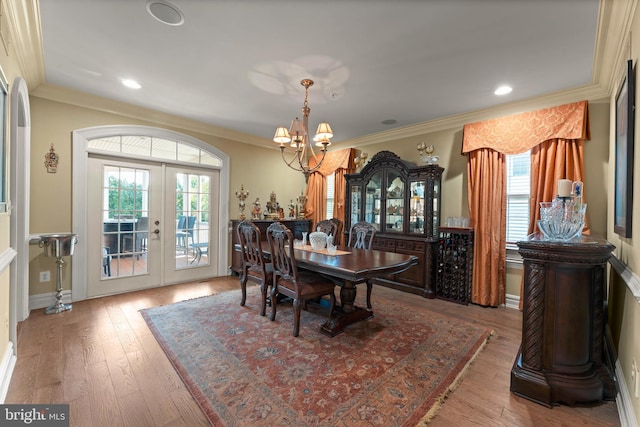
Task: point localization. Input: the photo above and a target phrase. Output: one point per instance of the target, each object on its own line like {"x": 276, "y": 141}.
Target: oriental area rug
{"x": 394, "y": 369}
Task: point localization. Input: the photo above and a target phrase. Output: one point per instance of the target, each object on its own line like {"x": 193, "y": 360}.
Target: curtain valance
{"x": 333, "y": 161}
{"x": 520, "y": 132}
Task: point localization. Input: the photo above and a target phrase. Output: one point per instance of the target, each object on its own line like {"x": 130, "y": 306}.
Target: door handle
{"x": 156, "y": 231}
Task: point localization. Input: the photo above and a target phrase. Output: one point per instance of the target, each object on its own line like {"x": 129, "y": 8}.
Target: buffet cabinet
{"x": 297, "y": 227}
{"x": 402, "y": 201}
{"x": 455, "y": 264}
{"x": 561, "y": 357}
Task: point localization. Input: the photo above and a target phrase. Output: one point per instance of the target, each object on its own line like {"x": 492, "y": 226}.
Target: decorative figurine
{"x": 241, "y": 195}
{"x": 257, "y": 207}
{"x": 301, "y": 200}
{"x": 273, "y": 207}
{"x": 292, "y": 209}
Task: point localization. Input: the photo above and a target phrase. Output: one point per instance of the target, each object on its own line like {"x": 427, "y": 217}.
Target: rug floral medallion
{"x": 245, "y": 370}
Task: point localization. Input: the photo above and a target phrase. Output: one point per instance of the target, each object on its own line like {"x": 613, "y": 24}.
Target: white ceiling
{"x": 237, "y": 64}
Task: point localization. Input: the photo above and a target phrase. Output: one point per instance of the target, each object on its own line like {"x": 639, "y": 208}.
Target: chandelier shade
{"x": 298, "y": 137}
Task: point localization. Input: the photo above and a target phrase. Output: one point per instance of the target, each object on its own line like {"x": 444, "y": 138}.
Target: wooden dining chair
{"x": 339, "y": 228}
{"x": 361, "y": 236}
{"x": 299, "y": 285}
{"x": 254, "y": 267}
{"x": 328, "y": 227}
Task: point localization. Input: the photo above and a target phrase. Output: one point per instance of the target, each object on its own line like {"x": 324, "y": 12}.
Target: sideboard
{"x": 297, "y": 227}
{"x": 561, "y": 358}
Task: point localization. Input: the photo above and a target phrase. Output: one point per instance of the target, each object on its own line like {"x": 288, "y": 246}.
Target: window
{"x": 154, "y": 147}
{"x": 518, "y": 190}
{"x": 330, "y": 195}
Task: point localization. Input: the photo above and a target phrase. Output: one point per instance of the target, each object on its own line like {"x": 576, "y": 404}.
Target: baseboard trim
{"x": 623, "y": 400}
{"x": 624, "y": 403}
{"x": 47, "y": 299}
{"x": 6, "y": 371}
{"x": 512, "y": 301}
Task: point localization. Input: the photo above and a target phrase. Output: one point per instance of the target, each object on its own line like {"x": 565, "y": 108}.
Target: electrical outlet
{"x": 45, "y": 276}
{"x": 634, "y": 378}
{"x": 636, "y": 386}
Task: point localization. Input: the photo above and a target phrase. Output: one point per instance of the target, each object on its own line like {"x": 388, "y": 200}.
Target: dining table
{"x": 348, "y": 267}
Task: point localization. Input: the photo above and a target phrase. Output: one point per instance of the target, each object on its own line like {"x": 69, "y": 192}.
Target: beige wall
{"x": 448, "y": 145}
{"x": 260, "y": 170}
{"x": 624, "y": 312}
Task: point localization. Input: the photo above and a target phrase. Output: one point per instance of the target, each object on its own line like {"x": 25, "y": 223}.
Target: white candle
{"x": 564, "y": 187}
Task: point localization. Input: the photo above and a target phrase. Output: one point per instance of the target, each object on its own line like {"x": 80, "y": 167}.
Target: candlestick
{"x": 564, "y": 187}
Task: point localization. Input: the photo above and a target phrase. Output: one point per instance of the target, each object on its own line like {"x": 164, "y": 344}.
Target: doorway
{"x": 129, "y": 210}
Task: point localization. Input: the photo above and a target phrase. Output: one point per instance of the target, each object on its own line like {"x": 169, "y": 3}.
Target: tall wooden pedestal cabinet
{"x": 561, "y": 358}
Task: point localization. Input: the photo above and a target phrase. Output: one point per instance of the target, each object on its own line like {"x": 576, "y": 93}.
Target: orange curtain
{"x": 565, "y": 127}
{"x": 487, "y": 206}
{"x": 340, "y": 162}
{"x": 550, "y": 161}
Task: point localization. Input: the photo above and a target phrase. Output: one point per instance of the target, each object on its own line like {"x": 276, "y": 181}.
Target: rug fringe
{"x": 431, "y": 414}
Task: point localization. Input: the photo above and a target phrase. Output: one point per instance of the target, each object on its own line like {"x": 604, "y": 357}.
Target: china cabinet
{"x": 402, "y": 201}
{"x": 297, "y": 227}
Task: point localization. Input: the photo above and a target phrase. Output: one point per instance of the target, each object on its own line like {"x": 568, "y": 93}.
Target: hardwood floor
{"x": 102, "y": 359}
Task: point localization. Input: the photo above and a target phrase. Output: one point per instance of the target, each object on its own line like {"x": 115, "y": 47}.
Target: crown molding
{"x": 26, "y": 37}
{"x": 97, "y": 103}
{"x": 592, "y": 93}
{"x": 613, "y": 42}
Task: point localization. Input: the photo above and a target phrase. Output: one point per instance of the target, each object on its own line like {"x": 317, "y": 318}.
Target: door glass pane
{"x": 125, "y": 202}
{"x": 192, "y": 220}
{"x": 416, "y": 217}
{"x": 436, "y": 207}
{"x": 372, "y": 201}
{"x": 356, "y": 203}
{"x": 395, "y": 202}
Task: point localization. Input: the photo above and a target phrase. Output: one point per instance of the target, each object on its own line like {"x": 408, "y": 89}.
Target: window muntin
{"x": 151, "y": 147}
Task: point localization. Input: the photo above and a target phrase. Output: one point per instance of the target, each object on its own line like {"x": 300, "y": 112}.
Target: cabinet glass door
{"x": 372, "y": 200}
{"x": 436, "y": 207}
{"x": 395, "y": 202}
{"x": 416, "y": 214}
{"x": 356, "y": 203}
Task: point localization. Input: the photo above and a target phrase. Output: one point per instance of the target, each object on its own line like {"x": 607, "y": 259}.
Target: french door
{"x": 149, "y": 224}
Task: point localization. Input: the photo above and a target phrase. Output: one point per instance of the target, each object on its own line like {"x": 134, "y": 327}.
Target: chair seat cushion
{"x": 310, "y": 284}
{"x": 255, "y": 271}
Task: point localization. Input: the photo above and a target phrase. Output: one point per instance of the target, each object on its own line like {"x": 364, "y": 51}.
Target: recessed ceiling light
{"x": 389, "y": 122}
{"x": 503, "y": 90}
{"x": 165, "y": 12}
{"x": 131, "y": 84}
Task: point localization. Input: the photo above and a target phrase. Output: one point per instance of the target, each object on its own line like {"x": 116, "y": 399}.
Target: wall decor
{"x": 4, "y": 178}
{"x": 51, "y": 160}
{"x": 625, "y": 117}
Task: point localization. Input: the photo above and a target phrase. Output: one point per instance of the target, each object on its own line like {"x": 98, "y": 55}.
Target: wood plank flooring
{"x": 101, "y": 358}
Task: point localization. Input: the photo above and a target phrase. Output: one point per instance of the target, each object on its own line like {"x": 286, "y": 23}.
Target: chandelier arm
{"x": 295, "y": 157}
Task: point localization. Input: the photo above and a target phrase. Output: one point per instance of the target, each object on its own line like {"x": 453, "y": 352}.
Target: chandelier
{"x": 298, "y": 138}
